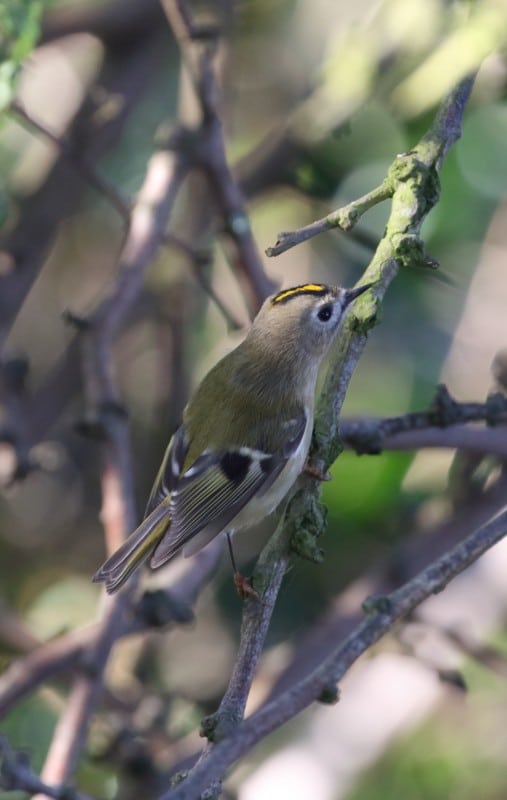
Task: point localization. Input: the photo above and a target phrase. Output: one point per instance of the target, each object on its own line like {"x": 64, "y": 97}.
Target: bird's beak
{"x": 351, "y": 294}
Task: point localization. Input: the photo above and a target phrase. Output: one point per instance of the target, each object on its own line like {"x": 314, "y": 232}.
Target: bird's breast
{"x": 263, "y": 504}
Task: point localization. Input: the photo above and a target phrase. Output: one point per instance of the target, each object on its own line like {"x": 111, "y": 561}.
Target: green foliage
{"x": 441, "y": 761}
{"x": 482, "y": 149}
{"x": 29, "y": 727}
{"x": 19, "y": 31}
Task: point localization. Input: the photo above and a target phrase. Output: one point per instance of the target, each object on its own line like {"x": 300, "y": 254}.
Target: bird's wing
{"x": 170, "y": 470}
{"x": 214, "y": 489}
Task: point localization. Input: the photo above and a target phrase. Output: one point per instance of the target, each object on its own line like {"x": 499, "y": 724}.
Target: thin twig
{"x": 344, "y": 219}
{"x": 198, "y": 50}
{"x": 16, "y": 774}
{"x": 69, "y": 651}
{"x": 83, "y": 165}
{"x": 199, "y": 261}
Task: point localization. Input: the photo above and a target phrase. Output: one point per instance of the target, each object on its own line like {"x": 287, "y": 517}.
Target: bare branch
{"x": 483, "y": 441}
{"x": 69, "y": 651}
{"x": 382, "y": 614}
{"x": 198, "y": 50}
{"x": 370, "y": 435}
{"x": 199, "y": 261}
{"x": 412, "y": 553}
{"x": 79, "y": 161}
{"x": 148, "y": 220}
{"x": 23, "y": 249}
{"x": 16, "y": 774}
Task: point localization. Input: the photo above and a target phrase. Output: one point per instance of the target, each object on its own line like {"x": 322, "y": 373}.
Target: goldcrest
{"x": 245, "y": 434}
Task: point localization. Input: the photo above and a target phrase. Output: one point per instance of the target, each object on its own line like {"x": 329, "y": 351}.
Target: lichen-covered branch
{"x": 413, "y": 182}
{"x": 430, "y": 153}
{"x": 344, "y": 219}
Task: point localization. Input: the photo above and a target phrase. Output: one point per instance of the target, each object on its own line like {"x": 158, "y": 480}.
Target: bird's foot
{"x": 316, "y": 473}
{"x": 244, "y": 587}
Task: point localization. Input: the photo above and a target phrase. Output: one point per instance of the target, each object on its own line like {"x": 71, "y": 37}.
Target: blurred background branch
{"x": 280, "y": 113}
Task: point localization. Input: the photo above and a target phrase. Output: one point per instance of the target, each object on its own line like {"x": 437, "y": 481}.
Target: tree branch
{"x": 344, "y": 219}
{"x": 84, "y": 166}
{"x": 16, "y": 774}
{"x": 69, "y": 651}
{"x": 321, "y": 682}
{"x": 371, "y": 435}
{"x": 431, "y": 151}
{"x": 483, "y": 441}
{"x": 254, "y": 627}
{"x": 414, "y": 182}
{"x": 149, "y": 217}
{"x": 198, "y": 47}
{"x": 23, "y": 249}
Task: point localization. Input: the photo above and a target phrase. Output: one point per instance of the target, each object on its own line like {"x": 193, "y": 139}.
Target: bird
{"x": 245, "y": 434}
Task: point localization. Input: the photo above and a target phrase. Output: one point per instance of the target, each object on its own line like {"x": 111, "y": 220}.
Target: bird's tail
{"x": 140, "y": 544}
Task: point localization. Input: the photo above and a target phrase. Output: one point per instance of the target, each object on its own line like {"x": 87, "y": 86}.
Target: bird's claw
{"x": 244, "y": 587}
{"x": 316, "y": 473}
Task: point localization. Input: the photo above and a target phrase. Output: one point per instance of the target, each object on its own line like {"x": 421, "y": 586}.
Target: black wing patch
{"x": 235, "y": 465}
{"x": 217, "y": 486}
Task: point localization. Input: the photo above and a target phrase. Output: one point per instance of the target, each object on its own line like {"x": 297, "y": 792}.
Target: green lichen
{"x": 308, "y": 521}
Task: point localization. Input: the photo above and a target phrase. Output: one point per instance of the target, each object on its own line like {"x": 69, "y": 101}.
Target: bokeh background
{"x": 317, "y": 99}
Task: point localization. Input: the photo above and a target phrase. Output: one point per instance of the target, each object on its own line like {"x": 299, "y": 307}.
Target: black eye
{"x": 325, "y": 313}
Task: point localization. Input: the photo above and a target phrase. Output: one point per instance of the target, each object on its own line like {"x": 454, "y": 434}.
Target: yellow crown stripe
{"x": 306, "y": 288}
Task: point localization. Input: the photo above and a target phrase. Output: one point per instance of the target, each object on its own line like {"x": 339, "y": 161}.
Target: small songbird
{"x": 245, "y": 434}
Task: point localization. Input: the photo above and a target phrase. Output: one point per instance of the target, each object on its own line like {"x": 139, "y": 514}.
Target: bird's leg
{"x": 243, "y": 585}
{"x": 315, "y": 472}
